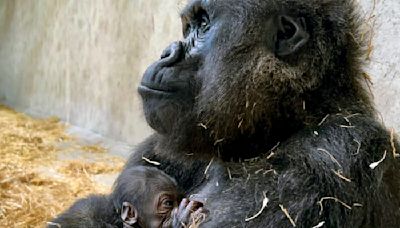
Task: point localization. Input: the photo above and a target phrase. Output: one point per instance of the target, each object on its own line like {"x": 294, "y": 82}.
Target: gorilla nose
{"x": 172, "y": 54}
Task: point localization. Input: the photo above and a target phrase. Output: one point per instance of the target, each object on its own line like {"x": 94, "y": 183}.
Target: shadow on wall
{"x": 82, "y": 60}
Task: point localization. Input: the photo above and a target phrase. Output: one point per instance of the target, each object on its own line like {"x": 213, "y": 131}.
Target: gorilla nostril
{"x": 172, "y": 54}
{"x": 166, "y": 53}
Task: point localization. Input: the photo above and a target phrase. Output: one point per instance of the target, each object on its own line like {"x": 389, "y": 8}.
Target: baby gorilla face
{"x": 147, "y": 196}
{"x": 150, "y": 199}
{"x": 162, "y": 212}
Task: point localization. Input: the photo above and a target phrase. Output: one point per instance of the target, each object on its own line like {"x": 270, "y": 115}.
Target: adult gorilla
{"x": 260, "y": 111}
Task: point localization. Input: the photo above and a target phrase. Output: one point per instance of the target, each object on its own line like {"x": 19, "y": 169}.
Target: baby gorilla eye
{"x": 168, "y": 203}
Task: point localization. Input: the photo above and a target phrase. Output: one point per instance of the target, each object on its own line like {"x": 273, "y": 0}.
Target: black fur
{"x": 93, "y": 211}
{"x": 222, "y": 98}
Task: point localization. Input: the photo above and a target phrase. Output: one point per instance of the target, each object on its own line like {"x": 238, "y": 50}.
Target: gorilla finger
{"x": 182, "y": 205}
{"x": 201, "y": 210}
{"x": 185, "y": 215}
{"x": 197, "y": 204}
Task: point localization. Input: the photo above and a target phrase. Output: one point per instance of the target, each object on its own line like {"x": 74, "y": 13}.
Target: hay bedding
{"x": 34, "y": 185}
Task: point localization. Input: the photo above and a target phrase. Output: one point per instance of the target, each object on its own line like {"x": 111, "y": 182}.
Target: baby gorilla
{"x": 143, "y": 197}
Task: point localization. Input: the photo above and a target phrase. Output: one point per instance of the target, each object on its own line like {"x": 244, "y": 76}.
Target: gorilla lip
{"x": 143, "y": 89}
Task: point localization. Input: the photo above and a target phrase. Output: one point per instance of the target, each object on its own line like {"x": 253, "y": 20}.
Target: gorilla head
{"x": 256, "y": 67}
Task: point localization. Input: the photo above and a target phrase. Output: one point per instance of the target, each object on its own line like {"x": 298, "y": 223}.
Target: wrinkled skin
{"x": 266, "y": 98}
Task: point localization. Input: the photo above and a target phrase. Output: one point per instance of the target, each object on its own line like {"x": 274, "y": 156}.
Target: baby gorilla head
{"x": 145, "y": 197}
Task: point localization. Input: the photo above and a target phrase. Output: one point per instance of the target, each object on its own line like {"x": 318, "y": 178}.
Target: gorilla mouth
{"x": 144, "y": 89}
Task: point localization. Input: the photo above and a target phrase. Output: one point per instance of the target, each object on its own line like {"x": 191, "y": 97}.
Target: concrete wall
{"x": 82, "y": 60}
{"x": 384, "y": 67}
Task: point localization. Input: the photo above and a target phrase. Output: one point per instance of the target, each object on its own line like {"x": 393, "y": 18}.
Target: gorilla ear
{"x": 129, "y": 214}
{"x": 291, "y": 35}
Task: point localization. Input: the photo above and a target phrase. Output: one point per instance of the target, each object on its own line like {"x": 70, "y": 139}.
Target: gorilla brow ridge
{"x": 190, "y": 10}
{"x": 187, "y": 14}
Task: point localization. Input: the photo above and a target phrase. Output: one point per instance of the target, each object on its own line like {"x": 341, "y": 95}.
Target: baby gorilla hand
{"x": 188, "y": 214}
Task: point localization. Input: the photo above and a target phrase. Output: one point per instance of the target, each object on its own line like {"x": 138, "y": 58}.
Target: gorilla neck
{"x": 292, "y": 113}
{"x": 198, "y": 140}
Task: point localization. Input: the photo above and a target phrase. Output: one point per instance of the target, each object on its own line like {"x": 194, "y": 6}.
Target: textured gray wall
{"x": 384, "y": 67}
{"x": 82, "y": 60}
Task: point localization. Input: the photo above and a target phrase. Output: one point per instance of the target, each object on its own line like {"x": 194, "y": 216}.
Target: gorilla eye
{"x": 203, "y": 20}
{"x": 167, "y": 203}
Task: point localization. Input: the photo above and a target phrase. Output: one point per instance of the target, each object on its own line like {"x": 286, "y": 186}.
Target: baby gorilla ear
{"x": 291, "y": 35}
{"x": 129, "y": 214}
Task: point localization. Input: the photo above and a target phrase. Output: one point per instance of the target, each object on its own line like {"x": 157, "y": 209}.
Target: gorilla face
{"x": 233, "y": 69}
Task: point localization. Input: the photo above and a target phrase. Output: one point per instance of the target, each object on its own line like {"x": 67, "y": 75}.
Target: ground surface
{"x": 45, "y": 166}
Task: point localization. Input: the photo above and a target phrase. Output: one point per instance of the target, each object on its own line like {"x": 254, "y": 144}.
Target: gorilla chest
{"x": 236, "y": 195}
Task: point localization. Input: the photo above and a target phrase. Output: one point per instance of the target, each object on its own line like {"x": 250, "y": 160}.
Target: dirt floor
{"x": 45, "y": 167}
